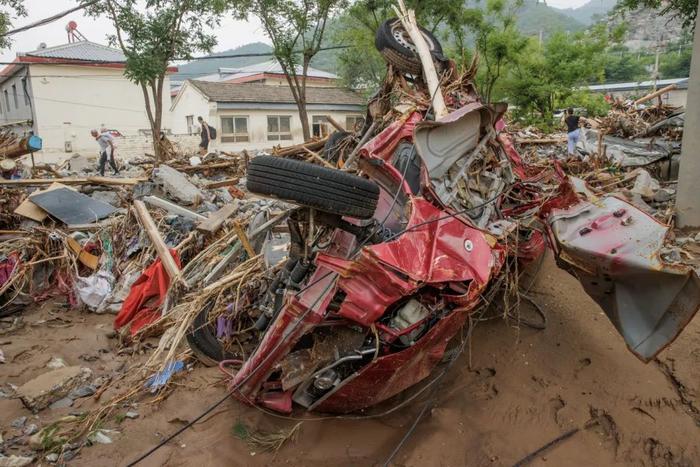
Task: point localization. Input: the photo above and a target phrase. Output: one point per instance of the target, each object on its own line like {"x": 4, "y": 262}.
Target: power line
{"x": 50, "y": 19}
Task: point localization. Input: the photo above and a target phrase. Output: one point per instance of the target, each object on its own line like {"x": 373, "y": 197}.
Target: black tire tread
{"x": 321, "y": 188}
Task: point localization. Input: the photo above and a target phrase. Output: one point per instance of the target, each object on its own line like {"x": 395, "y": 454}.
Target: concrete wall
{"x": 71, "y": 100}
{"x": 128, "y": 148}
{"x": 14, "y": 104}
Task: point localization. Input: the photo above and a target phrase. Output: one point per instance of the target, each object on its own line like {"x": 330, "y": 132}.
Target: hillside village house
{"x": 675, "y": 98}
{"x": 260, "y": 116}
{"x": 60, "y": 93}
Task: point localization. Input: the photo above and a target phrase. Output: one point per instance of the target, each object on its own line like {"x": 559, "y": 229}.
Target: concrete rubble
{"x": 47, "y": 388}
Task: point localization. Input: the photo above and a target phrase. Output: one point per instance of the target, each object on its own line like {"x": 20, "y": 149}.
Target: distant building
{"x": 675, "y": 98}
{"x": 60, "y": 93}
{"x": 269, "y": 72}
{"x": 260, "y": 116}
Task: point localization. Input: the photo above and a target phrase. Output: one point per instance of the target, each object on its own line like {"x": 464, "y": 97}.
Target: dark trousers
{"x": 103, "y": 162}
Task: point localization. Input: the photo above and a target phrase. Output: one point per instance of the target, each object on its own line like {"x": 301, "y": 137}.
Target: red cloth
{"x": 147, "y": 294}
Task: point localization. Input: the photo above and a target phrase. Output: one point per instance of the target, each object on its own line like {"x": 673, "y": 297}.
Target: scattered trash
{"x": 161, "y": 378}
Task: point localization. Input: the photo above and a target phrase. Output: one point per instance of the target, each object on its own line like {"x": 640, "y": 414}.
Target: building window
{"x": 25, "y": 91}
{"x": 234, "y": 129}
{"x": 354, "y": 122}
{"x": 7, "y": 100}
{"x": 190, "y": 124}
{"x": 14, "y": 96}
{"x": 279, "y": 128}
{"x": 320, "y": 127}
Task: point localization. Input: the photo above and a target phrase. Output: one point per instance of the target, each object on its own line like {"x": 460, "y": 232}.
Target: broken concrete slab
{"x": 177, "y": 185}
{"x": 173, "y": 208}
{"x": 42, "y": 391}
{"x": 109, "y": 197}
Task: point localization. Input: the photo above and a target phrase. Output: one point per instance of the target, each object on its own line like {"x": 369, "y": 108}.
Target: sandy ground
{"x": 522, "y": 389}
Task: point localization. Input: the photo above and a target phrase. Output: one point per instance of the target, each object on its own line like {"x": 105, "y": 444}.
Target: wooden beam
{"x": 73, "y": 181}
{"x": 333, "y": 122}
{"x": 162, "y": 250}
{"x": 243, "y": 238}
{"x": 173, "y": 208}
{"x": 320, "y": 159}
{"x": 222, "y": 183}
{"x": 658, "y": 93}
{"x": 408, "y": 20}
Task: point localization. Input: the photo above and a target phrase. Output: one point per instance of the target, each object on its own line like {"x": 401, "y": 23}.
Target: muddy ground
{"x": 522, "y": 389}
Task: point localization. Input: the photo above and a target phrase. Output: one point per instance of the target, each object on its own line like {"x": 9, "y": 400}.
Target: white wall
{"x": 189, "y": 102}
{"x": 71, "y": 100}
{"x": 14, "y": 107}
{"x": 257, "y": 127}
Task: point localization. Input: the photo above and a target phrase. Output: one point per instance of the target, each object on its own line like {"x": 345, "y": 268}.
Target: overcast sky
{"x": 230, "y": 33}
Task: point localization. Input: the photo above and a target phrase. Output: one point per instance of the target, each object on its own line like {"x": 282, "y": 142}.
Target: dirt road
{"x": 522, "y": 389}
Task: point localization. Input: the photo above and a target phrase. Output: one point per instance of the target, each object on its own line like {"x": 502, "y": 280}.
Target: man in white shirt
{"x": 106, "y": 142}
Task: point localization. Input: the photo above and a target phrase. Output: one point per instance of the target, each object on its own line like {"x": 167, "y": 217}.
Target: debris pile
{"x": 331, "y": 275}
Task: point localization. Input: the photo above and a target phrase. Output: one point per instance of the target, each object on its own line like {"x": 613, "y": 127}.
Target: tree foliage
{"x": 153, "y": 33}
{"x": 296, "y": 29}
{"x": 9, "y": 9}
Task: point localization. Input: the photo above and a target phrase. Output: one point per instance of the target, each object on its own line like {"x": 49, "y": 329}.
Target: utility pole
{"x": 688, "y": 196}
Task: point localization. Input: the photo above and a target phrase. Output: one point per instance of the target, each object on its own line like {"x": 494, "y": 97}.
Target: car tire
{"x": 203, "y": 341}
{"x": 393, "y": 43}
{"x": 328, "y": 190}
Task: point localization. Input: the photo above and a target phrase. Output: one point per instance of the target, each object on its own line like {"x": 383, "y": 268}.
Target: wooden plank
{"x": 73, "y": 181}
{"x": 560, "y": 139}
{"x": 201, "y": 167}
{"x": 320, "y": 159}
{"x": 243, "y": 238}
{"x": 88, "y": 259}
{"x": 162, "y": 250}
{"x": 333, "y": 122}
{"x": 222, "y": 183}
{"x": 217, "y": 219}
{"x": 173, "y": 208}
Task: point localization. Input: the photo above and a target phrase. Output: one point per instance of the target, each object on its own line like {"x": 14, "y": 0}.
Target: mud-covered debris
{"x": 42, "y": 391}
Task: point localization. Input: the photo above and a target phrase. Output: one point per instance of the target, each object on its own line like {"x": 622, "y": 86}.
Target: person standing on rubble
{"x": 572, "y": 130}
{"x": 106, "y": 142}
{"x": 206, "y": 137}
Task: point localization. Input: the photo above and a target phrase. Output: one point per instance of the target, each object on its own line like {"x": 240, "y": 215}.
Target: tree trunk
{"x": 304, "y": 116}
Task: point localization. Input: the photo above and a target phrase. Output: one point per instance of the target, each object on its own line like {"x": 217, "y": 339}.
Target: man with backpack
{"x": 208, "y": 134}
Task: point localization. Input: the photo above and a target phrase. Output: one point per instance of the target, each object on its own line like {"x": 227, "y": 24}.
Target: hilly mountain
{"x": 534, "y": 17}
{"x": 590, "y": 12}
{"x": 205, "y": 67}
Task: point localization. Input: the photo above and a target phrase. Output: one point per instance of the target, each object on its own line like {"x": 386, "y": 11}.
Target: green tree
{"x": 622, "y": 65}
{"x": 296, "y": 29}
{"x": 498, "y": 43}
{"x": 151, "y": 35}
{"x": 547, "y": 75}
{"x": 9, "y": 9}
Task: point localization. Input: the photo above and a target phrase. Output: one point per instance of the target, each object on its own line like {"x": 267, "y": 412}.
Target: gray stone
{"x": 131, "y": 414}
{"x": 664, "y": 195}
{"x": 69, "y": 455}
{"x": 15, "y": 461}
{"x": 30, "y": 429}
{"x": 100, "y": 437}
{"x": 53, "y": 457}
{"x": 109, "y": 197}
{"x": 177, "y": 185}
{"x": 82, "y": 391}
{"x": 56, "y": 363}
{"x": 62, "y": 403}
{"x": 18, "y": 422}
{"x": 45, "y": 389}
{"x": 223, "y": 196}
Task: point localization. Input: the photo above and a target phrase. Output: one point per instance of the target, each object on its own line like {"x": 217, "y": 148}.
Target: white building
{"x": 675, "y": 98}
{"x": 60, "y": 93}
{"x": 260, "y": 116}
